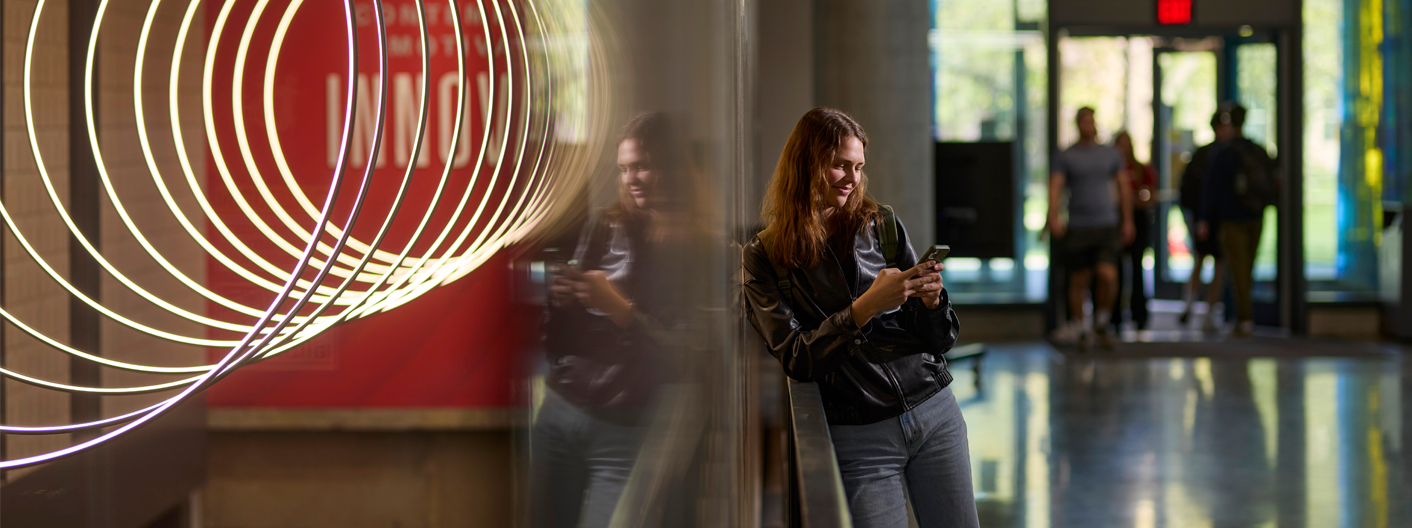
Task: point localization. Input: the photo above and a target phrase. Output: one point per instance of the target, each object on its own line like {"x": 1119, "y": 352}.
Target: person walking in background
{"x": 1142, "y": 195}
{"x": 1099, "y": 223}
{"x": 1193, "y": 179}
{"x": 1238, "y": 187}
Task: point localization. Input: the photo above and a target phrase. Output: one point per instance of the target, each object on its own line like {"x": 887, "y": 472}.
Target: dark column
{"x": 784, "y": 87}
{"x": 4, "y": 453}
{"x": 871, "y": 60}
{"x": 83, "y": 207}
{"x": 84, "y": 321}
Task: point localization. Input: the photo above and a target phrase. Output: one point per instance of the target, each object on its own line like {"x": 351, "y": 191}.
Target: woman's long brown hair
{"x": 797, "y": 226}
{"x": 1129, "y": 155}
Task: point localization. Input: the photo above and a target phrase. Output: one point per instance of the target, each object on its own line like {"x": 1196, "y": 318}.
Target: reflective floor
{"x": 1216, "y": 437}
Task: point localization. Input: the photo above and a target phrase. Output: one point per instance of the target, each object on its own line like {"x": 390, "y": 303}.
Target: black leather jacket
{"x": 866, "y": 375}
{"x": 605, "y": 370}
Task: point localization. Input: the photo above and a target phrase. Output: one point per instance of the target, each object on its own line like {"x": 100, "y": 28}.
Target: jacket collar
{"x": 828, "y": 284}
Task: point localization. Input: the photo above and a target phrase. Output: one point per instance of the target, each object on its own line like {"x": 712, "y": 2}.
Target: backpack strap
{"x": 887, "y": 231}
{"x": 781, "y": 273}
{"x": 782, "y": 280}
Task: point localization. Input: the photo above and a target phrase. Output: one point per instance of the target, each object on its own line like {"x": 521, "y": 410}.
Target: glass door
{"x": 1163, "y": 91}
{"x": 1186, "y": 86}
{"x": 1255, "y": 86}
{"x": 1189, "y": 83}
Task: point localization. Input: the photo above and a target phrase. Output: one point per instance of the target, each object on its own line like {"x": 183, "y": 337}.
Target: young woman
{"x": 607, "y": 311}
{"x": 1142, "y": 189}
{"x": 871, "y": 336}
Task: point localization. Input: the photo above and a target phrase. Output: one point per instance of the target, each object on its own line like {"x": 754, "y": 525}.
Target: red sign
{"x": 1173, "y": 12}
{"x": 455, "y": 346}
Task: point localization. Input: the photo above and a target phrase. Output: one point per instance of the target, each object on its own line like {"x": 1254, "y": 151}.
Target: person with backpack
{"x": 1238, "y": 187}
{"x": 834, "y": 288}
{"x": 1192, "y": 184}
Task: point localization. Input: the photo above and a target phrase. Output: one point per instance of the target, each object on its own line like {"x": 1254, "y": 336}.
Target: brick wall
{"x": 30, "y": 294}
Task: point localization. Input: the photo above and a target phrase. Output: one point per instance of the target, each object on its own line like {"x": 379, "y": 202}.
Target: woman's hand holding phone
{"x": 591, "y": 289}
{"x": 563, "y": 289}
{"x": 892, "y": 287}
{"x": 930, "y": 292}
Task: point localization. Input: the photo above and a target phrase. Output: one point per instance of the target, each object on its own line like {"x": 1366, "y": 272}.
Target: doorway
{"x": 1163, "y": 90}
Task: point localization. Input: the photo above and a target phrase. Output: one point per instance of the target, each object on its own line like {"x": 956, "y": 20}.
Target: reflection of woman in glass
{"x": 601, "y": 341}
{"x": 820, "y": 292}
{"x": 1144, "y": 200}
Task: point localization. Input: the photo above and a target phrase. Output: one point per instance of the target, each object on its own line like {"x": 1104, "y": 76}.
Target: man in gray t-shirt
{"x": 1099, "y": 224}
{"x": 1089, "y": 172}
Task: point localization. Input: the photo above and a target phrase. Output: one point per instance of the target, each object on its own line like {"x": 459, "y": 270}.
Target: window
{"x": 989, "y": 84}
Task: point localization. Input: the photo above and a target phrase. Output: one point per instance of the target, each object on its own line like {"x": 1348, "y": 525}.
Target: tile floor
{"x": 1269, "y": 432}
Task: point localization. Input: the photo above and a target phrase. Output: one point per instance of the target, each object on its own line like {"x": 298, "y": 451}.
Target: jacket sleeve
{"x": 805, "y": 353}
{"x": 1216, "y": 189}
{"x": 938, "y": 327}
{"x": 1192, "y": 169}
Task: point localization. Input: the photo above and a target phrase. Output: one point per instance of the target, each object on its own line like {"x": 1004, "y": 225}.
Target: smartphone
{"x": 936, "y": 253}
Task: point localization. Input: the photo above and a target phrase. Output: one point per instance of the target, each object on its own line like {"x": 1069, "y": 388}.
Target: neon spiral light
{"x": 524, "y": 163}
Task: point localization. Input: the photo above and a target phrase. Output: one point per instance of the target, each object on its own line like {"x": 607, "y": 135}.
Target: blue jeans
{"x": 926, "y": 449}
{"x": 579, "y": 465}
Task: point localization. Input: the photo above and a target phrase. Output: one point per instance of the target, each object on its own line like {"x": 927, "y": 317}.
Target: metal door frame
{"x": 1288, "y": 310}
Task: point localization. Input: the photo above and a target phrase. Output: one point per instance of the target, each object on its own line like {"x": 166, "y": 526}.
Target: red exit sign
{"x": 1173, "y": 12}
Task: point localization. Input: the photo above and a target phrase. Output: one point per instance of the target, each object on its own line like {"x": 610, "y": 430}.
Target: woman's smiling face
{"x": 845, "y": 171}
{"x": 636, "y": 172}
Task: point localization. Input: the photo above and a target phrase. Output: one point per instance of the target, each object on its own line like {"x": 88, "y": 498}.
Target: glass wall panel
{"x": 1189, "y": 99}
{"x": 1322, "y": 20}
{"x": 1255, "y": 89}
{"x": 1343, "y": 159}
{"x": 989, "y": 83}
{"x": 1093, "y": 72}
